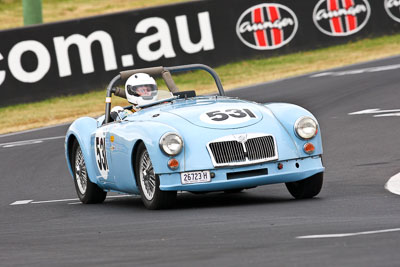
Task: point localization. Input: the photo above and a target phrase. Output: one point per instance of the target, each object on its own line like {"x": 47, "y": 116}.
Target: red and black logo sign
{"x": 267, "y": 26}
{"x": 341, "y": 17}
{"x": 393, "y": 9}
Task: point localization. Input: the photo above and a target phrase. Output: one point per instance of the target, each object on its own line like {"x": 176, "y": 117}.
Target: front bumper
{"x": 293, "y": 170}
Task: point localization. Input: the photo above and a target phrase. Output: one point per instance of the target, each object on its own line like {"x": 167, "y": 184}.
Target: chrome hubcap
{"x": 80, "y": 171}
{"x": 147, "y": 176}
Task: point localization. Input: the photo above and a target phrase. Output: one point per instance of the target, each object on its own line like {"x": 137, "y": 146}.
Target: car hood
{"x": 218, "y": 113}
{"x": 186, "y": 117}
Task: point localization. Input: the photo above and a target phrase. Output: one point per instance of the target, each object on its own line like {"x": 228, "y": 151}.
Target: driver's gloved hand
{"x": 114, "y": 115}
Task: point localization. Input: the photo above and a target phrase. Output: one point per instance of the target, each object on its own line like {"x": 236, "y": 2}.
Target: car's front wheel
{"x": 307, "y": 188}
{"x": 149, "y": 183}
{"x": 88, "y": 192}
{"x": 234, "y": 191}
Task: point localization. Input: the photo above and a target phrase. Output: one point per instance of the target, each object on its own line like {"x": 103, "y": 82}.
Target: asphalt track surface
{"x": 357, "y": 221}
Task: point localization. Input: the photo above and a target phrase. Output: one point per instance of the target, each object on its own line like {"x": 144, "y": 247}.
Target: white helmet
{"x": 141, "y": 89}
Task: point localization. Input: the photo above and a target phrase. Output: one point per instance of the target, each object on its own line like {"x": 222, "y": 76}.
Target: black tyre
{"x": 149, "y": 183}
{"x": 88, "y": 192}
{"x": 307, "y": 188}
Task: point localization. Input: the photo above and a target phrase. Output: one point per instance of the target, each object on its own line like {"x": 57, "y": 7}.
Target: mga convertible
{"x": 195, "y": 143}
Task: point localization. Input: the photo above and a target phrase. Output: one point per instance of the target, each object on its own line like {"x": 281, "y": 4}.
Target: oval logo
{"x": 393, "y": 9}
{"x": 267, "y": 26}
{"x": 341, "y": 17}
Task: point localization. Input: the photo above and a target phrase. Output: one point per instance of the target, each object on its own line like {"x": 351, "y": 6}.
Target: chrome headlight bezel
{"x": 168, "y": 139}
{"x": 306, "y": 122}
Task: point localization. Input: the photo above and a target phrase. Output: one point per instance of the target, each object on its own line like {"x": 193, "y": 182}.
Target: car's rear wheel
{"x": 149, "y": 183}
{"x": 307, "y": 188}
{"x": 88, "y": 192}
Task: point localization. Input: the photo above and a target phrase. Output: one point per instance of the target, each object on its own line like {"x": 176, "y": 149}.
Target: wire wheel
{"x": 80, "y": 171}
{"x": 146, "y": 176}
{"x": 149, "y": 182}
{"x": 87, "y": 191}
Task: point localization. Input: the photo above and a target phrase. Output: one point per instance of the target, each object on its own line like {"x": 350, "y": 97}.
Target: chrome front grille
{"x": 228, "y": 151}
{"x": 242, "y": 149}
{"x": 260, "y": 148}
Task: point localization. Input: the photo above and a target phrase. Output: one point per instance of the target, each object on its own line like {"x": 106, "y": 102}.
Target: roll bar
{"x": 164, "y": 72}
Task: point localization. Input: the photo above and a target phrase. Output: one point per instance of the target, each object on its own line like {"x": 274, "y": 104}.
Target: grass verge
{"x": 11, "y": 12}
{"x": 65, "y": 109}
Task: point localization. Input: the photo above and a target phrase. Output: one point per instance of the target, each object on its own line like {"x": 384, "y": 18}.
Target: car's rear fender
{"x": 81, "y": 131}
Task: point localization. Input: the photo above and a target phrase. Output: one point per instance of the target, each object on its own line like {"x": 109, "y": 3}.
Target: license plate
{"x": 195, "y": 177}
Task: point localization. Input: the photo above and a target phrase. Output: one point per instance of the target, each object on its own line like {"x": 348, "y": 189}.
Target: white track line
{"x": 54, "y": 201}
{"x": 349, "y": 234}
{"x": 393, "y": 184}
{"x": 357, "y": 71}
{"x": 309, "y": 75}
{"x": 21, "y": 202}
{"x": 24, "y": 202}
{"x": 29, "y": 142}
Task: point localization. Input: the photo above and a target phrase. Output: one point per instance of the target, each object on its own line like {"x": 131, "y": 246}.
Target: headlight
{"x": 306, "y": 127}
{"x": 171, "y": 144}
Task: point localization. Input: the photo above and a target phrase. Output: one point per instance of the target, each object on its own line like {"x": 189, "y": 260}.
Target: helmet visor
{"x": 143, "y": 90}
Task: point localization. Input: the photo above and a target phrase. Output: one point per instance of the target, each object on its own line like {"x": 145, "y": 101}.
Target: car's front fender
{"x": 128, "y": 134}
{"x": 81, "y": 131}
{"x": 287, "y": 114}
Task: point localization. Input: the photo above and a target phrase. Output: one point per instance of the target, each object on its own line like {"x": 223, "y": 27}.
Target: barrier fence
{"x": 75, "y": 56}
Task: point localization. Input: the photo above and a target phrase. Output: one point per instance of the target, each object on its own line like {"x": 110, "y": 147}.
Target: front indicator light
{"x": 173, "y": 164}
{"x": 309, "y": 148}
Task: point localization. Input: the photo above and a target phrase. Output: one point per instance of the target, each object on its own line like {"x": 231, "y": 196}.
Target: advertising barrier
{"x": 76, "y": 56}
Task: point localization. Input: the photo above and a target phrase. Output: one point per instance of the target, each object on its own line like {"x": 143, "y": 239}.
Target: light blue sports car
{"x": 184, "y": 142}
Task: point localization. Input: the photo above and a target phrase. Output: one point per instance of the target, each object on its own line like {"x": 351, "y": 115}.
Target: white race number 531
{"x": 228, "y": 116}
